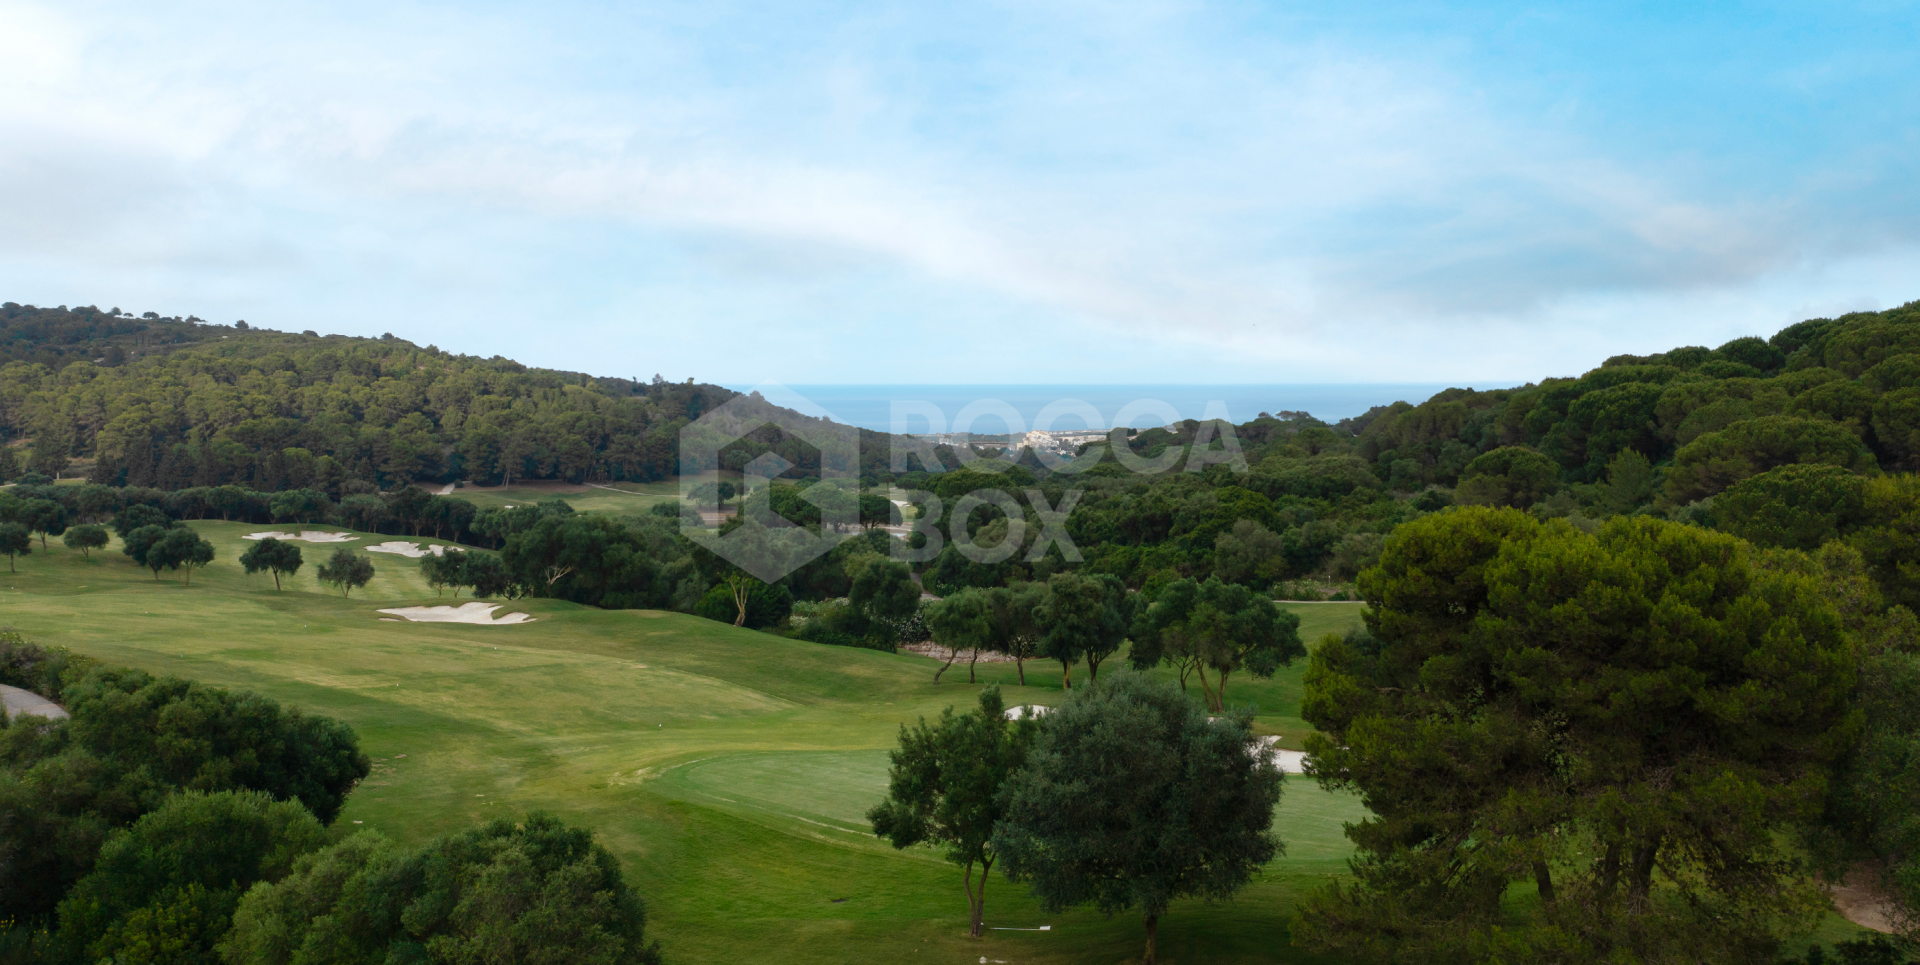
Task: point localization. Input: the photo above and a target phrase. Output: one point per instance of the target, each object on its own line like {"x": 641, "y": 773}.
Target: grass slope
{"x": 729, "y": 770}
{"x": 620, "y": 499}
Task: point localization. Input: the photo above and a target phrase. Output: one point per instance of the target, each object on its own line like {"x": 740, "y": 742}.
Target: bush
{"x": 767, "y": 605}
{"x": 538, "y": 891}
{"x": 173, "y": 879}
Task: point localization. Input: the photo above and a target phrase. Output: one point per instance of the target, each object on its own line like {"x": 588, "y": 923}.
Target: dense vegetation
{"x": 133, "y": 831}
{"x": 174, "y": 404}
{"x": 1640, "y": 659}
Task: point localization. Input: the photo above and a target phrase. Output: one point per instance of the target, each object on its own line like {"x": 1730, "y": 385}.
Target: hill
{"x": 172, "y": 404}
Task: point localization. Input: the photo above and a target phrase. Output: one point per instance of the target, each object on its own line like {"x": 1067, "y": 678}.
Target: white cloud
{"x": 1001, "y": 188}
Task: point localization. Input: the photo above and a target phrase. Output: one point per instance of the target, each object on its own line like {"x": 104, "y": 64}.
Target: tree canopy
{"x": 536, "y": 890}
{"x": 273, "y": 556}
{"x": 1628, "y": 720}
{"x": 1223, "y": 627}
{"x": 1131, "y": 797}
{"x": 945, "y": 787}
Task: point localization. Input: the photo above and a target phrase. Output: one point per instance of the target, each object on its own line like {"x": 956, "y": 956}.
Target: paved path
{"x": 19, "y": 701}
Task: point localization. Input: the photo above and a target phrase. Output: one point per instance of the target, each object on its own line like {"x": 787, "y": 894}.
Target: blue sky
{"x": 971, "y": 193}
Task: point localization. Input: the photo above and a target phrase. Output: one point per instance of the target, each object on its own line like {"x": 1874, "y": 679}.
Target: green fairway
{"x": 730, "y": 770}
{"x": 623, "y": 498}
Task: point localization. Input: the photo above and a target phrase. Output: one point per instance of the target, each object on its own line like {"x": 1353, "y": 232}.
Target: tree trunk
{"x": 977, "y": 900}
{"x": 952, "y": 655}
{"x": 1220, "y": 706}
{"x": 1206, "y": 689}
{"x": 1020, "y": 666}
{"x": 1066, "y": 675}
{"x": 1543, "y": 880}
{"x": 1153, "y": 933}
{"x": 1609, "y": 871}
{"x": 1640, "y": 885}
{"x": 276, "y": 580}
{"x": 970, "y": 665}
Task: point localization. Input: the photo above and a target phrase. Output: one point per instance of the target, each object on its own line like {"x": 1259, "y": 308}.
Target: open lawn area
{"x": 729, "y": 770}
{"x": 620, "y": 499}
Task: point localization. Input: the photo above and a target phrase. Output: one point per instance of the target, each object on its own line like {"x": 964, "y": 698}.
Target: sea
{"x": 994, "y": 409}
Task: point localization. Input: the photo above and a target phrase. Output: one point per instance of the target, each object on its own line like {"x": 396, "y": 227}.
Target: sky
{"x": 978, "y": 193}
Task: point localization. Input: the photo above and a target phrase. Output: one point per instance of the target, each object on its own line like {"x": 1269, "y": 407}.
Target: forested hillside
{"x": 1844, "y": 391}
{"x": 174, "y": 404}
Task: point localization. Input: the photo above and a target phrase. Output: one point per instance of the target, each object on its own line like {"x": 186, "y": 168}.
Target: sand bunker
{"x": 304, "y": 536}
{"x": 18, "y": 701}
{"x": 1289, "y": 762}
{"x": 1028, "y": 711}
{"x": 480, "y": 613}
{"x": 409, "y": 550}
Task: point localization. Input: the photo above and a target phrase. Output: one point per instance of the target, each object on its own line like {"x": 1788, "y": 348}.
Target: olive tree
{"x": 944, "y": 788}
{"x": 273, "y": 556}
{"x": 86, "y": 537}
{"x": 1131, "y": 797}
{"x": 1224, "y": 627}
{"x": 346, "y": 570}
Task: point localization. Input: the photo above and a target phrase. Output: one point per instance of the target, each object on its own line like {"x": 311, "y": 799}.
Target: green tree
{"x": 1222, "y": 626}
{"x": 346, "y": 570}
{"x": 1896, "y": 424}
{"x": 962, "y": 622}
{"x": 1086, "y": 617}
{"x": 164, "y": 889}
{"x": 15, "y": 541}
{"x": 884, "y": 593}
{"x": 1508, "y": 476}
{"x": 273, "y": 556}
{"x": 139, "y": 516}
{"x": 1717, "y": 460}
{"x": 179, "y": 549}
{"x": 1890, "y": 537}
{"x": 944, "y": 787}
{"x": 444, "y": 570}
{"x": 1131, "y": 797}
{"x": 1013, "y": 615}
{"x": 1250, "y": 553}
{"x": 300, "y": 506}
{"x": 43, "y": 516}
{"x": 86, "y": 537}
{"x": 1627, "y": 720}
{"x": 1799, "y": 506}
{"x": 875, "y": 510}
{"x": 487, "y": 575}
{"x": 137, "y": 543}
{"x": 536, "y": 891}
{"x": 1629, "y": 482}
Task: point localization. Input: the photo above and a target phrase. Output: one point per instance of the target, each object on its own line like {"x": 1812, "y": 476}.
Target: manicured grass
{"x": 729, "y": 770}
{"x": 623, "y": 498}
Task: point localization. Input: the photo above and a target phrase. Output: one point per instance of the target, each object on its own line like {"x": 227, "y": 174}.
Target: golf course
{"x": 729, "y": 770}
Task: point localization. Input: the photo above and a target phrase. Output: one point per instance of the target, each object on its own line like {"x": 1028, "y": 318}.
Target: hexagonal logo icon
{"x": 762, "y": 441}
